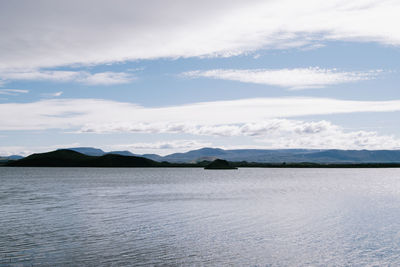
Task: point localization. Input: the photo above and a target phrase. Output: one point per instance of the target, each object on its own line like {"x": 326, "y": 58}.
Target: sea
{"x": 197, "y": 217}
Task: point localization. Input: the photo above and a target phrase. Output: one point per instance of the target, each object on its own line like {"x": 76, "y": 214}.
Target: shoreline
{"x": 237, "y": 166}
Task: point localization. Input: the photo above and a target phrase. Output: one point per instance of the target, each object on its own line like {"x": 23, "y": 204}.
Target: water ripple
{"x": 249, "y": 217}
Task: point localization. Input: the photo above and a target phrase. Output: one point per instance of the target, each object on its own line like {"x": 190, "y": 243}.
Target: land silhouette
{"x": 71, "y": 158}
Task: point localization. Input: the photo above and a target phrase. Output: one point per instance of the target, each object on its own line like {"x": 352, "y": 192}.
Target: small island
{"x": 219, "y": 164}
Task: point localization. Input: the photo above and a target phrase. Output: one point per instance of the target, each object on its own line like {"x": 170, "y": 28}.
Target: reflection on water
{"x": 247, "y": 217}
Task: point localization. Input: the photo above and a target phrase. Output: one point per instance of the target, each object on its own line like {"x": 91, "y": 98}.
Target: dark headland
{"x": 69, "y": 158}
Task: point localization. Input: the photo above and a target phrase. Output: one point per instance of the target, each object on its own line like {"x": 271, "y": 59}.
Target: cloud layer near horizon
{"x": 65, "y": 32}
{"x": 99, "y": 115}
{"x": 263, "y": 119}
{"x": 271, "y": 133}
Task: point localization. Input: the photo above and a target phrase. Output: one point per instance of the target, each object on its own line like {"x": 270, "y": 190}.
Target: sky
{"x": 164, "y": 76}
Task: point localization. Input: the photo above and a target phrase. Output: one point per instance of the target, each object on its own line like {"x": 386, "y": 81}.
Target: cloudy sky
{"x": 162, "y": 76}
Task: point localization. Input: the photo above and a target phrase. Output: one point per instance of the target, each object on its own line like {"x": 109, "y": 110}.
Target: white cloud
{"x": 47, "y": 33}
{"x": 97, "y": 115}
{"x": 294, "y": 79}
{"x": 108, "y": 78}
{"x": 56, "y": 94}
{"x": 260, "y": 128}
{"x": 13, "y": 91}
{"x": 101, "y": 78}
{"x": 320, "y": 135}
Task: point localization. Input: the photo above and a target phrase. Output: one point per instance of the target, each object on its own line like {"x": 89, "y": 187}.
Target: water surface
{"x": 183, "y": 216}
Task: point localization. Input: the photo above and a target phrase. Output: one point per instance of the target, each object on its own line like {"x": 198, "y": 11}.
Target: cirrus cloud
{"x": 294, "y": 79}
{"x": 100, "y": 78}
{"x": 13, "y": 91}
{"x": 45, "y": 33}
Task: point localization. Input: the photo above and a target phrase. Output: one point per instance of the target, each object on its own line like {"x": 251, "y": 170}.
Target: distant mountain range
{"x": 261, "y": 155}
{"x": 70, "y": 158}
{"x": 289, "y": 155}
{"x": 8, "y": 158}
{"x": 264, "y": 155}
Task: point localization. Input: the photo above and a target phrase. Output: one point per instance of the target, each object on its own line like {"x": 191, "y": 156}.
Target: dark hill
{"x": 69, "y": 158}
{"x": 114, "y": 160}
{"x": 58, "y": 158}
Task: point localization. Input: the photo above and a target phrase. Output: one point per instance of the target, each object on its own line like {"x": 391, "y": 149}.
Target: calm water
{"x": 248, "y": 217}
